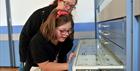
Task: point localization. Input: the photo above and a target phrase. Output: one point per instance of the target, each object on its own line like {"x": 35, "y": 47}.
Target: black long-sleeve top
{"x": 30, "y": 28}
{"x": 43, "y": 50}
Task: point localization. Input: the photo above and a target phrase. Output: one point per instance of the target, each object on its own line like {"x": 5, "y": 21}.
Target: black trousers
{"x": 29, "y": 63}
{"x": 27, "y": 66}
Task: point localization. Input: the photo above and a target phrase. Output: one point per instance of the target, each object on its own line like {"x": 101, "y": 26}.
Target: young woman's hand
{"x": 72, "y": 55}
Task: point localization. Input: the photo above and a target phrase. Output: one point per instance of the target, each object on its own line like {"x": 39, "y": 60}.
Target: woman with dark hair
{"x": 33, "y": 24}
{"x": 48, "y": 47}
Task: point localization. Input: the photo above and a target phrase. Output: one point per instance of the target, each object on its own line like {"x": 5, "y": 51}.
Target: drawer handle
{"x": 100, "y": 37}
{"x": 106, "y": 34}
{"x": 105, "y": 26}
{"x": 99, "y": 25}
{"x": 100, "y": 31}
{"x": 106, "y": 43}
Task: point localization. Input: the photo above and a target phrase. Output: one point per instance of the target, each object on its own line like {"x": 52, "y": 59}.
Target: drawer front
{"x": 114, "y": 31}
{"x": 120, "y": 53}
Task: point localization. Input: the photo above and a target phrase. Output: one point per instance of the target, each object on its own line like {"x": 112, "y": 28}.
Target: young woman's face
{"x": 63, "y": 31}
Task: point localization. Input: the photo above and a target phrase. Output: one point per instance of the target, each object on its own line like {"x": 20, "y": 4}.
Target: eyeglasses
{"x": 69, "y": 4}
{"x": 65, "y": 31}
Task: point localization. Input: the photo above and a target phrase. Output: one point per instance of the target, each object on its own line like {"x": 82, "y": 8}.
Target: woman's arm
{"x": 53, "y": 66}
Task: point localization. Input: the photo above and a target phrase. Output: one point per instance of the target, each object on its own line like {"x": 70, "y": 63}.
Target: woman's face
{"x": 67, "y": 5}
{"x": 63, "y": 31}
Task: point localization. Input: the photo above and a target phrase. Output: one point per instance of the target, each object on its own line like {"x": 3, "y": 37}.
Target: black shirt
{"x": 30, "y": 28}
{"x": 43, "y": 50}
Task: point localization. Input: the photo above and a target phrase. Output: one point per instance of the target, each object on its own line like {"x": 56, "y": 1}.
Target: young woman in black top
{"x": 32, "y": 26}
{"x": 48, "y": 47}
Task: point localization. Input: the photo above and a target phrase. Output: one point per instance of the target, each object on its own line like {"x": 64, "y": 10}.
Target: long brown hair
{"x": 53, "y": 21}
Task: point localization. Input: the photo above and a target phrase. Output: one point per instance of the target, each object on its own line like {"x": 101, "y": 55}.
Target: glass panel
{"x": 94, "y": 54}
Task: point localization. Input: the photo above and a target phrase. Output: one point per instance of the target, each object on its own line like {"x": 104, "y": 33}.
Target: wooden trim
{"x": 8, "y": 69}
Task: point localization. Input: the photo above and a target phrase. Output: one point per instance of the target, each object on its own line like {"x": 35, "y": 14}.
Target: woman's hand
{"x": 72, "y": 54}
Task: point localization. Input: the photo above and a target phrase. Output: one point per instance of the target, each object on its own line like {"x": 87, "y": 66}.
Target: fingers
{"x": 73, "y": 54}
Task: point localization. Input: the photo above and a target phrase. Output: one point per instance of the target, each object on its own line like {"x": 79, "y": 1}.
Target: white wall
{"x": 22, "y": 9}
{"x": 3, "y": 20}
{"x": 84, "y": 11}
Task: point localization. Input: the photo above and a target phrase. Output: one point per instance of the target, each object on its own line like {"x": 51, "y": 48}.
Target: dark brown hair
{"x": 48, "y": 27}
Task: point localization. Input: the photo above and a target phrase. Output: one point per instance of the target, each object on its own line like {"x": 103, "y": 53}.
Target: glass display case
{"x": 91, "y": 55}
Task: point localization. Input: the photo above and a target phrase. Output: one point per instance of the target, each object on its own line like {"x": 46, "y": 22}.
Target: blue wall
{"x": 78, "y": 27}
{"x": 4, "y": 44}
